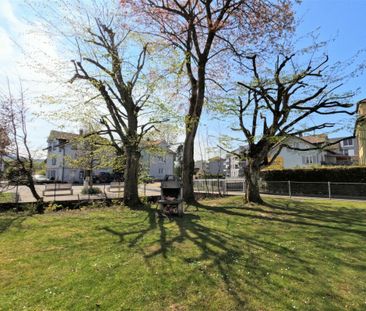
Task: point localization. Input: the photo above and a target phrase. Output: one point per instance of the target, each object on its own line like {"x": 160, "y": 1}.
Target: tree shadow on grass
{"x": 7, "y": 222}
{"x": 231, "y": 252}
{"x": 223, "y": 249}
{"x": 10, "y": 221}
{"x": 140, "y": 233}
{"x": 339, "y": 220}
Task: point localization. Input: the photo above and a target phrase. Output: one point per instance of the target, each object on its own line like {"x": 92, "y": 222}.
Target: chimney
{"x": 81, "y": 132}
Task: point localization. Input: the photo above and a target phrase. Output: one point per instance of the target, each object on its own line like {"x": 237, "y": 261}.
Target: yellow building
{"x": 361, "y": 131}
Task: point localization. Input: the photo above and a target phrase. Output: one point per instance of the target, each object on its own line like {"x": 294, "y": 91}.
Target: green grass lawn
{"x": 6, "y": 197}
{"x": 294, "y": 255}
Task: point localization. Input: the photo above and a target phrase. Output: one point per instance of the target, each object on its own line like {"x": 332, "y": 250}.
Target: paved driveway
{"x": 26, "y": 196}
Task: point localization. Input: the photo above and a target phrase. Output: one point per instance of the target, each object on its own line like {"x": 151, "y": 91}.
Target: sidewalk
{"x": 25, "y": 195}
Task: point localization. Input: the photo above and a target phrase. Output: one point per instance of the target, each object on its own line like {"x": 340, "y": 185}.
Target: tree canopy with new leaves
{"x": 209, "y": 34}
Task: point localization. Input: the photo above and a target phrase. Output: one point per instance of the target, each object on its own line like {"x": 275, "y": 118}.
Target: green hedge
{"x": 322, "y": 174}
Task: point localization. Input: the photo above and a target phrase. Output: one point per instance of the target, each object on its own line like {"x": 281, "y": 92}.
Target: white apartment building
{"x": 60, "y": 149}
{"x": 233, "y": 166}
{"x": 159, "y": 160}
{"x": 289, "y": 158}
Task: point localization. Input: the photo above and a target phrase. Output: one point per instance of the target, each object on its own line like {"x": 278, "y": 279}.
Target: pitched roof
{"x": 61, "y": 135}
{"x": 316, "y": 139}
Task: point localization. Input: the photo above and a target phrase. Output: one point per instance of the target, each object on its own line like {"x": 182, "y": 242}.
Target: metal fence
{"x": 223, "y": 186}
{"x": 316, "y": 189}
{"x": 287, "y": 188}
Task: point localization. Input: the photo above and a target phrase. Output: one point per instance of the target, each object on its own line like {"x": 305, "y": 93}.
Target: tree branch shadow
{"x": 222, "y": 248}
{"x": 7, "y": 222}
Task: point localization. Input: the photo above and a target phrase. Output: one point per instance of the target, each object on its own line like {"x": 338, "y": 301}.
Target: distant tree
{"x": 278, "y": 105}
{"x": 4, "y": 143}
{"x": 4, "y": 138}
{"x": 92, "y": 152}
{"x": 179, "y": 161}
{"x": 40, "y": 168}
{"x": 14, "y": 111}
{"x": 208, "y": 35}
{"x": 110, "y": 70}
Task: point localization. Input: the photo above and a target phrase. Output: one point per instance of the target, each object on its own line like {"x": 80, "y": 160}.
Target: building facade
{"x": 216, "y": 166}
{"x": 233, "y": 165}
{"x": 290, "y": 158}
{"x": 59, "y": 151}
{"x": 158, "y": 161}
{"x": 344, "y": 152}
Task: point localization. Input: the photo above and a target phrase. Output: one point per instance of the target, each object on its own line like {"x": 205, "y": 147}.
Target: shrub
{"x": 92, "y": 190}
{"x": 321, "y": 174}
{"x": 53, "y": 206}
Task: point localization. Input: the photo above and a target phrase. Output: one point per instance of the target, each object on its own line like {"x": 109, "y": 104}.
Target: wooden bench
{"x": 55, "y": 189}
{"x": 116, "y": 186}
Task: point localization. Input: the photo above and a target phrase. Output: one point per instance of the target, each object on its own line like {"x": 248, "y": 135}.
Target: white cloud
{"x": 7, "y": 13}
{"x": 29, "y": 54}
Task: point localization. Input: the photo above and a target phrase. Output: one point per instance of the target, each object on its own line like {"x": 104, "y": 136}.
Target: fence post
{"x": 17, "y": 197}
{"x": 329, "y": 192}
{"x": 289, "y": 188}
{"x": 54, "y": 191}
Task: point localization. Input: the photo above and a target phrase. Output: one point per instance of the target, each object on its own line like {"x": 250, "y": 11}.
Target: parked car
{"x": 150, "y": 179}
{"x": 102, "y": 178}
{"x": 41, "y": 179}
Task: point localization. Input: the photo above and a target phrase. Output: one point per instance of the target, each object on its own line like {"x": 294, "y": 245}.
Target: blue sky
{"x": 341, "y": 20}
{"x": 342, "y": 23}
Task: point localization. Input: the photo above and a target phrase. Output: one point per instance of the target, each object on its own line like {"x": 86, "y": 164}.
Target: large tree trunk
{"x": 32, "y": 188}
{"x": 130, "y": 196}
{"x": 192, "y": 121}
{"x": 188, "y": 168}
{"x": 251, "y": 173}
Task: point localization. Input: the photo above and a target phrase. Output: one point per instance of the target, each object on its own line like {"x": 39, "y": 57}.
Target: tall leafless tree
{"x": 105, "y": 71}
{"x": 209, "y": 33}
{"x": 278, "y": 106}
{"x": 14, "y": 113}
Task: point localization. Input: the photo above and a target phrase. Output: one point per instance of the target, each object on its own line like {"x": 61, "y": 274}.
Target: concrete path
{"x": 26, "y": 196}
{"x": 152, "y": 189}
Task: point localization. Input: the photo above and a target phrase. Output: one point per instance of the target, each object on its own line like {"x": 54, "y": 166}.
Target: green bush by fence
{"x": 321, "y": 174}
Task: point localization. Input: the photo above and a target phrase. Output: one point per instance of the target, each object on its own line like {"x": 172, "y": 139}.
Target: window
{"x": 348, "y": 142}
{"x": 161, "y": 170}
{"x": 53, "y": 161}
{"x": 52, "y": 174}
{"x": 309, "y": 159}
{"x": 315, "y": 159}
